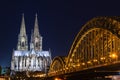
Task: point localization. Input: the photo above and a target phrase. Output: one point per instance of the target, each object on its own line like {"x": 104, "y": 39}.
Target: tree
{"x": 8, "y": 71}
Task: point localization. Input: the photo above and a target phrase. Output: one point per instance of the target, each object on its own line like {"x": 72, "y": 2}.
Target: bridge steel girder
{"x": 96, "y": 44}
{"x": 101, "y": 34}
{"x": 57, "y": 65}
{"x": 109, "y": 23}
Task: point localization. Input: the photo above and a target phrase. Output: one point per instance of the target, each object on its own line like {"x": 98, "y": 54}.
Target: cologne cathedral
{"x": 31, "y": 58}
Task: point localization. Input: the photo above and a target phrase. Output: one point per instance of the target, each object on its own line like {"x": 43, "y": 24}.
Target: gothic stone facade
{"x": 33, "y": 59}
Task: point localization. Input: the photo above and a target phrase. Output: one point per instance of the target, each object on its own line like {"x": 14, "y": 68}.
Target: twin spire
{"x": 36, "y": 39}
{"x": 23, "y": 29}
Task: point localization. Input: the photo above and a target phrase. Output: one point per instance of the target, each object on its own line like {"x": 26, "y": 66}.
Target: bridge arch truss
{"x": 96, "y": 44}
{"x": 57, "y": 66}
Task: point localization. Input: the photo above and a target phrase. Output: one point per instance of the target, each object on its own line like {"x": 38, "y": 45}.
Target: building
{"x": 31, "y": 58}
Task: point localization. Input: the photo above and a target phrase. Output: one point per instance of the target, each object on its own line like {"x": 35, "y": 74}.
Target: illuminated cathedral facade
{"x": 32, "y": 58}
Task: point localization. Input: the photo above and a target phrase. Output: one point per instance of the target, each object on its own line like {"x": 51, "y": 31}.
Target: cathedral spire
{"x": 36, "y": 27}
{"x": 23, "y": 29}
{"x": 36, "y": 37}
{"x": 22, "y": 38}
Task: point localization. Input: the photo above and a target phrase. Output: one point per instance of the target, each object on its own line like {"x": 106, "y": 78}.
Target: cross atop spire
{"x": 36, "y": 27}
{"x": 23, "y": 29}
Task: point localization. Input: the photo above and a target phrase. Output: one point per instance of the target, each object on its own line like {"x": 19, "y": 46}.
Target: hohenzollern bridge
{"x": 95, "y": 52}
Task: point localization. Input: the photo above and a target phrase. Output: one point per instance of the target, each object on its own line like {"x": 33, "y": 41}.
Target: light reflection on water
{"x": 116, "y": 77}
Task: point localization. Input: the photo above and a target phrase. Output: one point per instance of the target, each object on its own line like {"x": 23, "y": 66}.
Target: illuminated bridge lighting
{"x": 114, "y": 55}
{"x": 96, "y": 45}
{"x": 58, "y": 78}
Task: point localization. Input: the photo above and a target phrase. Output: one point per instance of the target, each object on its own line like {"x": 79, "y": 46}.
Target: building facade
{"x": 31, "y": 58}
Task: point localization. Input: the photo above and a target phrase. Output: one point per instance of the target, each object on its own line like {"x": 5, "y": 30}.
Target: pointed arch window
{"x": 22, "y": 44}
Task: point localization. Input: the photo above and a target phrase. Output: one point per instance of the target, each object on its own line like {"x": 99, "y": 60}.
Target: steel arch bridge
{"x": 57, "y": 66}
{"x": 96, "y": 44}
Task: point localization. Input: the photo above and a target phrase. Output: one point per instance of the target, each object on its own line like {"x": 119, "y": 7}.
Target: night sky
{"x": 59, "y": 22}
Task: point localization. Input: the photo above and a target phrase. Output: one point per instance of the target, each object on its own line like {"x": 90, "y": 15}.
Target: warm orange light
{"x": 89, "y": 62}
{"x": 114, "y": 56}
{"x": 66, "y": 67}
{"x": 58, "y": 79}
{"x": 116, "y": 77}
{"x": 83, "y": 63}
{"x": 78, "y": 64}
{"x": 95, "y": 60}
{"x": 102, "y": 58}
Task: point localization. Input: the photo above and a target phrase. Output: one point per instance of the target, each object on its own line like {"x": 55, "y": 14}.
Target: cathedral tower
{"x": 22, "y": 38}
{"x": 31, "y": 60}
{"x": 36, "y": 38}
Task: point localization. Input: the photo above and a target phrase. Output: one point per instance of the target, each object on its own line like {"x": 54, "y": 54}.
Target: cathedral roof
{"x": 27, "y": 53}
